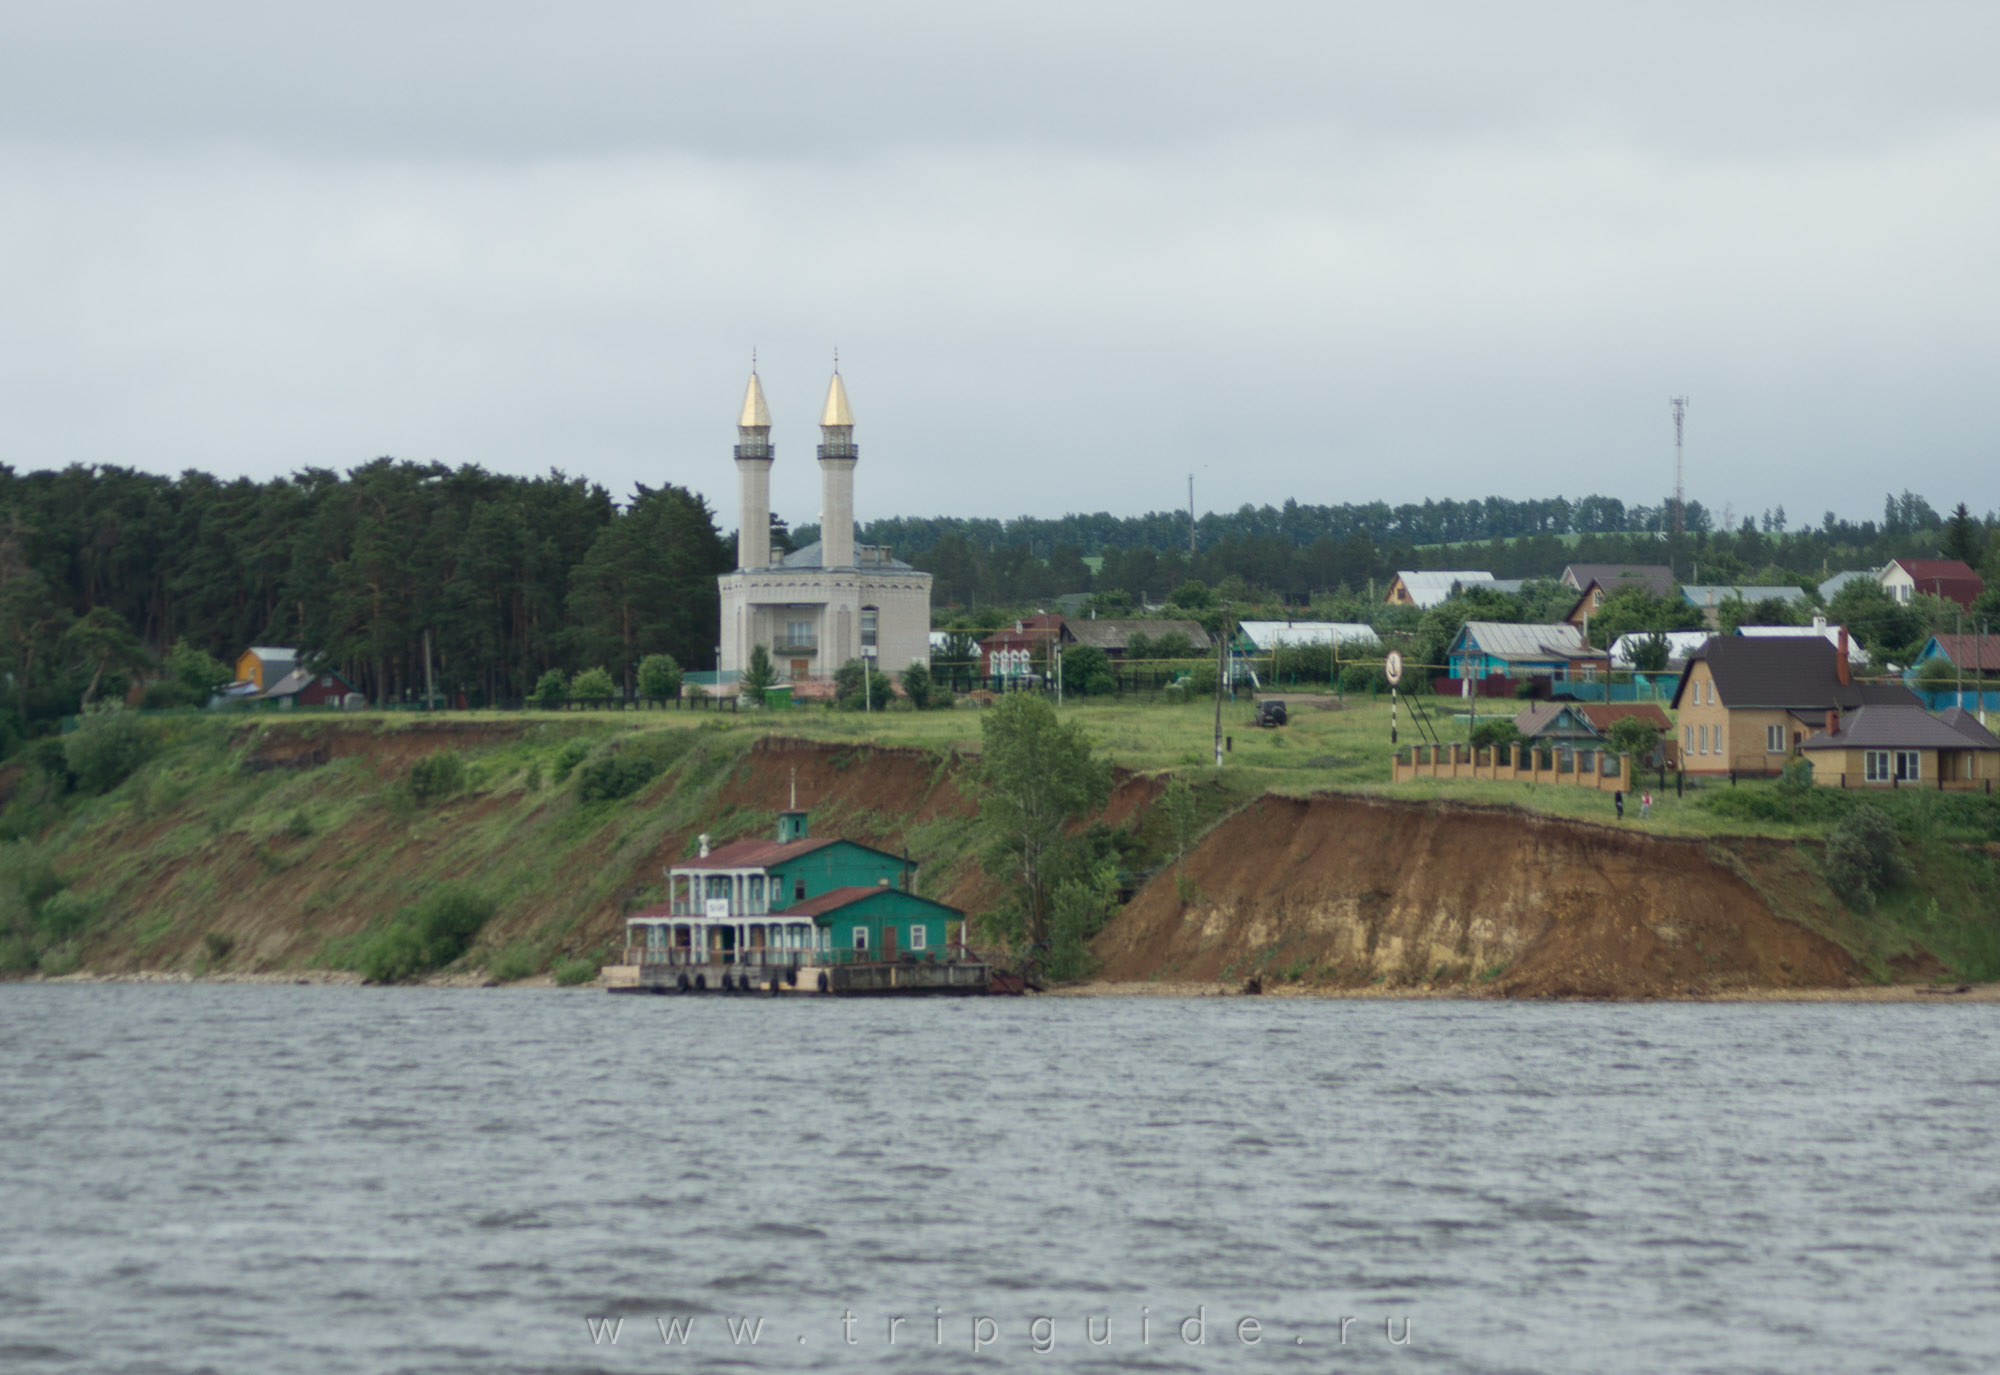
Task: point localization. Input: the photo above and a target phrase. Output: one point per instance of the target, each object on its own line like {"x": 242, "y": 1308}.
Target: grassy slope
{"x": 197, "y": 842}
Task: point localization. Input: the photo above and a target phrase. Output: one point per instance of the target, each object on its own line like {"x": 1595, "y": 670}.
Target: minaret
{"x": 753, "y": 476}
{"x": 836, "y": 475}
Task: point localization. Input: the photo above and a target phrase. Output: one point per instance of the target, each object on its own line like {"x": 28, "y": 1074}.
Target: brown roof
{"x": 831, "y": 900}
{"x": 1790, "y": 674}
{"x": 1966, "y": 724}
{"x": 1656, "y": 578}
{"x": 762, "y": 854}
{"x": 1978, "y": 652}
{"x": 1604, "y": 715}
{"x": 1900, "y": 728}
{"x": 1947, "y": 578}
{"x": 1542, "y": 715}
{"x": 1110, "y": 635}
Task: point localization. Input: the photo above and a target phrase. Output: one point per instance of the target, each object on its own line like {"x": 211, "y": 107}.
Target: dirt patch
{"x": 390, "y": 749}
{"x": 1350, "y": 891}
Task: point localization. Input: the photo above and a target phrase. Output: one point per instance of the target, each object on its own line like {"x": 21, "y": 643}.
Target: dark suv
{"x": 1271, "y": 713}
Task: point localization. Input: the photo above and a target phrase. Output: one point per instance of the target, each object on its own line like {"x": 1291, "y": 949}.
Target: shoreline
{"x": 1931, "y": 993}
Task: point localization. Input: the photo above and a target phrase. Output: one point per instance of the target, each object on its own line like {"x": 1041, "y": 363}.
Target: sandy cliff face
{"x": 1356, "y": 890}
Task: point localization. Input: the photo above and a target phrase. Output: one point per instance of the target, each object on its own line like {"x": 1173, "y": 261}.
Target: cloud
{"x": 1068, "y": 256}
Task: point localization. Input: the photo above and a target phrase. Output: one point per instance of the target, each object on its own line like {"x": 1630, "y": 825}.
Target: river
{"x": 332, "y": 1179}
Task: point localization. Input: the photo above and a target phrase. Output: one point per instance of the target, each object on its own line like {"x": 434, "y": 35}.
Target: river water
{"x": 293, "y": 1179}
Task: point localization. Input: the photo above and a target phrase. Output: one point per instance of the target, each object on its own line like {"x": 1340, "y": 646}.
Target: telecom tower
{"x": 1679, "y": 404}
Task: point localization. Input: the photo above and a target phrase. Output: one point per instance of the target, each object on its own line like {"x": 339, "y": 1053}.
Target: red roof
{"x": 831, "y": 900}
{"x": 1602, "y": 715}
{"x": 1947, "y": 578}
{"x": 755, "y": 854}
{"x": 1980, "y": 653}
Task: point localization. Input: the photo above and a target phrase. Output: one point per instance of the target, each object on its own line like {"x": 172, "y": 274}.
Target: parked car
{"x": 1271, "y": 712}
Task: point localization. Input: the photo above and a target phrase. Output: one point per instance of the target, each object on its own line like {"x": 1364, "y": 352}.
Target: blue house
{"x": 1487, "y": 649}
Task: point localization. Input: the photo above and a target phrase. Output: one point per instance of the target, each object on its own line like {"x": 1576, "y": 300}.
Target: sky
{"x": 1069, "y": 253}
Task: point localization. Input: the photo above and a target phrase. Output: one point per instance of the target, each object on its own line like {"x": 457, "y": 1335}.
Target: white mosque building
{"x": 832, "y": 601}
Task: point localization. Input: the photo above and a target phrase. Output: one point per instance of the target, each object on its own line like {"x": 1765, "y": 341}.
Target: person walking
{"x": 1645, "y": 804}
{"x": 1618, "y": 802}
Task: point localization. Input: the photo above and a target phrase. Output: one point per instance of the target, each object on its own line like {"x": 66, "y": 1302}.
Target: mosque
{"x": 832, "y": 601}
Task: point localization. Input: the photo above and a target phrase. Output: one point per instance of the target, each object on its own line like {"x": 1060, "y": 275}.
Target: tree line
{"x": 104, "y": 570}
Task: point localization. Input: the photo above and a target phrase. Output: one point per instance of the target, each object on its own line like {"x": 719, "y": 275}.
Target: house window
{"x": 1908, "y": 765}
{"x": 919, "y": 937}
{"x": 860, "y": 938}
{"x": 869, "y": 620}
{"x": 798, "y": 890}
{"x": 1704, "y": 741}
{"x": 1688, "y": 748}
{"x": 1774, "y": 739}
{"x": 1876, "y": 766}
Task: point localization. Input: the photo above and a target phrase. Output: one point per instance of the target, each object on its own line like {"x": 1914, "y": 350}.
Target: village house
{"x": 1887, "y": 746}
{"x": 1426, "y": 589}
{"x": 1569, "y": 726}
{"x": 1709, "y": 598}
{"x": 1116, "y": 637}
{"x": 733, "y": 903}
{"x": 1595, "y": 582}
{"x": 1832, "y": 634}
{"x": 1745, "y": 703}
{"x": 305, "y": 688}
{"x": 1023, "y": 650}
{"x": 1680, "y": 645}
{"x": 1946, "y": 578}
{"x": 1486, "y": 649}
{"x": 1262, "y": 637}
{"x": 262, "y": 666}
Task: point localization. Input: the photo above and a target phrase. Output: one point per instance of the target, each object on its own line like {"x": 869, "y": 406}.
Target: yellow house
{"x": 264, "y": 665}
{"x": 1744, "y": 704}
{"x": 1905, "y": 747}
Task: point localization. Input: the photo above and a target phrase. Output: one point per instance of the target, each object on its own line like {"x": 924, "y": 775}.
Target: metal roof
{"x": 1902, "y": 728}
{"x": 1654, "y": 577}
{"x": 833, "y": 899}
{"x": 756, "y": 415}
{"x": 1117, "y": 633}
{"x": 1716, "y": 593}
{"x": 1830, "y": 633}
{"x": 1504, "y": 640}
{"x": 836, "y": 411}
{"x": 1789, "y": 673}
{"x": 1979, "y": 653}
{"x": 1431, "y": 586}
{"x": 1271, "y": 634}
{"x": 1680, "y": 644}
{"x": 865, "y": 556}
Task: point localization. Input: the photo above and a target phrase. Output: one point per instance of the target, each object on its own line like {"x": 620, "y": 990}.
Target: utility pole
{"x": 1191, "y": 532}
{"x": 1221, "y": 647}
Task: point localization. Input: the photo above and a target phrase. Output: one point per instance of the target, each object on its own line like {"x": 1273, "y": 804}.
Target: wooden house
{"x": 1950, "y": 579}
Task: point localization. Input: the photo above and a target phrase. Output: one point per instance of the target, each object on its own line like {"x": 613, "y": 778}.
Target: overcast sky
{"x": 1069, "y": 252}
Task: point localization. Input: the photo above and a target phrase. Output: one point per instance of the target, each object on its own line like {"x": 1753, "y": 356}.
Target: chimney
{"x": 1840, "y": 665}
{"x": 1819, "y": 623}
{"x": 1832, "y": 722}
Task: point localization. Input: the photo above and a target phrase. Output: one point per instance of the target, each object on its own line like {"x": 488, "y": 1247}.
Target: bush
{"x": 572, "y": 972}
{"x": 612, "y": 776}
{"x": 659, "y": 677}
{"x": 1201, "y": 679}
{"x": 919, "y": 686}
{"x": 550, "y": 689}
{"x": 594, "y": 686}
{"x": 219, "y": 946}
{"x": 1864, "y": 858}
{"x": 167, "y": 695}
{"x": 1797, "y": 776}
{"x": 1362, "y": 678}
{"x": 427, "y": 936}
{"x": 851, "y": 694}
{"x": 1086, "y": 671}
{"x": 1495, "y": 733}
{"x": 572, "y": 754}
{"x": 107, "y": 749}
{"x": 435, "y": 777}
{"x": 64, "y": 915}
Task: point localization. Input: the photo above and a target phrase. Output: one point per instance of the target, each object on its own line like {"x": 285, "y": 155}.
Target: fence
{"x": 1598, "y": 769}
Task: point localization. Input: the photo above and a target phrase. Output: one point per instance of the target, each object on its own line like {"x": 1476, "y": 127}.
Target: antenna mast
{"x": 1679, "y": 404}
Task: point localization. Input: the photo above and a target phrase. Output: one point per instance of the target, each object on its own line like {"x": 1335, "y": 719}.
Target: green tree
{"x": 1864, "y": 858}
{"x": 853, "y": 692}
{"x": 1650, "y": 654}
{"x": 196, "y": 671}
{"x": 593, "y": 685}
{"x": 550, "y": 689}
{"x": 659, "y": 677}
{"x": 1962, "y": 539}
{"x": 102, "y": 643}
{"x": 1036, "y": 775}
{"x": 1087, "y": 671}
{"x": 1634, "y": 736}
{"x": 107, "y": 747}
{"x": 920, "y": 687}
{"x": 758, "y": 675}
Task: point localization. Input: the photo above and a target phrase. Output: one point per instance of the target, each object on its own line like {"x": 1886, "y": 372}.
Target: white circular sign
{"x": 1392, "y": 668}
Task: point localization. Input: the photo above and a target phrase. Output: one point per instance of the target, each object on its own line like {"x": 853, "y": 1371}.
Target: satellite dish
{"x": 1392, "y": 668}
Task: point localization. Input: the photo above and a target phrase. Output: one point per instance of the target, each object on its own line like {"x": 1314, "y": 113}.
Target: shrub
{"x": 1864, "y": 858}
{"x": 1797, "y": 776}
{"x": 594, "y": 686}
{"x": 298, "y": 825}
{"x": 659, "y": 677}
{"x": 919, "y": 686}
{"x": 1634, "y": 736}
{"x": 851, "y": 694}
{"x": 426, "y": 936}
{"x": 165, "y": 695}
{"x": 436, "y": 776}
{"x": 1494, "y": 733}
{"x": 62, "y": 916}
{"x": 572, "y": 972}
{"x": 572, "y": 754}
{"x": 550, "y": 689}
{"x": 1201, "y": 679}
{"x": 1361, "y": 678}
{"x": 107, "y": 748}
{"x": 219, "y": 946}
{"x": 612, "y": 776}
